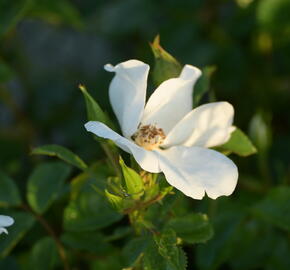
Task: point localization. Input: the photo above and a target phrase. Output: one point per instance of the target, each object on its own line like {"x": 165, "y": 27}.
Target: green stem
{"x": 50, "y": 231}
{"x": 139, "y": 206}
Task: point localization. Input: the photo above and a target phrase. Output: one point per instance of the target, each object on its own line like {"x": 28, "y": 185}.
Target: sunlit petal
{"x": 208, "y": 125}
{"x": 128, "y": 92}
{"x": 148, "y": 160}
{"x": 172, "y": 100}
{"x": 196, "y": 171}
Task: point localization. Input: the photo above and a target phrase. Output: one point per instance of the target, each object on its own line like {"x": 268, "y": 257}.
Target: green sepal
{"x": 166, "y": 66}
{"x": 133, "y": 181}
{"x": 94, "y": 111}
{"x": 203, "y": 84}
{"x": 116, "y": 201}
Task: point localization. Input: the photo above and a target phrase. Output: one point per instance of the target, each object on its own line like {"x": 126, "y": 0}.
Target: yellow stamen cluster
{"x": 149, "y": 137}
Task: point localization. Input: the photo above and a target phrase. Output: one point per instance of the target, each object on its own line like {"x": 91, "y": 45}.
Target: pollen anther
{"x": 149, "y": 137}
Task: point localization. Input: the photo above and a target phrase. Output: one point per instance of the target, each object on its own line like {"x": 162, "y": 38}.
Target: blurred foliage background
{"x": 48, "y": 47}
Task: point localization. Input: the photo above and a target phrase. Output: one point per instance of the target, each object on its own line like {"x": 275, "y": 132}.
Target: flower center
{"x": 149, "y": 136}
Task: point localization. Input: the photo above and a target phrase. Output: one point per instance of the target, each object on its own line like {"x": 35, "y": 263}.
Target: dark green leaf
{"x": 152, "y": 260}
{"x": 11, "y": 12}
{"x": 61, "y": 11}
{"x": 239, "y": 144}
{"x": 134, "y": 248}
{"x": 111, "y": 261}
{"x": 62, "y": 153}
{"x": 86, "y": 241}
{"x": 193, "y": 228}
{"x": 273, "y": 18}
{"x": 166, "y": 66}
{"x": 9, "y": 194}
{"x": 89, "y": 210}
{"x": 119, "y": 232}
{"x": 5, "y": 72}
{"x": 279, "y": 256}
{"x": 44, "y": 185}
{"x": 255, "y": 242}
{"x": 216, "y": 251}
{"x": 168, "y": 249}
{"x": 9, "y": 263}
{"x": 275, "y": 207}
{"x": 163, "y": 253}
{"x": 44, "y": 254}
{"x": 23, "y": 222}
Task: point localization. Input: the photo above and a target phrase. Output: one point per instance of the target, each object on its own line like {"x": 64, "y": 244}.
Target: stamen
{"x": 149, "y": 137}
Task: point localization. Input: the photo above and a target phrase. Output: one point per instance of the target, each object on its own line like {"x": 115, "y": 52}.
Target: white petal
{"x": 196, "y": 170}
{"x": 208, "y": 125}
{"x": 128, "y": 92}
{"x": 172, "y": 100}
{"x": 6, "y": 221}
{"x": 3, "y": 230}
{"x": 148, "y": 160}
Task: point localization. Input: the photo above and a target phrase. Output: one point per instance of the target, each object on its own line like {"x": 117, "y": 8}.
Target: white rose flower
{"x": 5, "y": 221}
{"x": 166, "y": 135}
